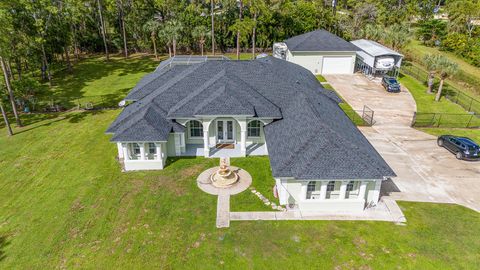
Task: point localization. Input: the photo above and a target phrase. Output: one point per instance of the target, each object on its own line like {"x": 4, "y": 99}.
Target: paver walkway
{"x": 425, "y": 172}
{"x": 223, "y": 211}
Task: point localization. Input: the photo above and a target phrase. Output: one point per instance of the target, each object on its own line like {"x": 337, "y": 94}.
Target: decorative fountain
{"x": 224, "y": 177}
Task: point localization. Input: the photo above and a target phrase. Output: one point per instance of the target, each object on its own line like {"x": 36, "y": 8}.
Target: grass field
{"x": 468, "y": 74}
{"x": 65, "y": 204}
{"x": 426, "y": 104}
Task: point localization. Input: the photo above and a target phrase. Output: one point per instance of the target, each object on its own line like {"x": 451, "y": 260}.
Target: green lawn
{"x": 347, "y": 109}
{"x": 426, "y": 102}
{"x": 468, "y": 73}
{"x": 65, "y": 204}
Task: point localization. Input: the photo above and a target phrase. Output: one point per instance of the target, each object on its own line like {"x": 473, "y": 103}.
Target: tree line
{"x": 38, "y": 37}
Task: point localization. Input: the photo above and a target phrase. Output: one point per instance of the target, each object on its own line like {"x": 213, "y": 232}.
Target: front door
{"x": 225, "y": 132}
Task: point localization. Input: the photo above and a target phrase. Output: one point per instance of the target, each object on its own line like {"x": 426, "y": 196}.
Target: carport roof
{"x": 373, "y": 48}
{"x": 319, "y": 40}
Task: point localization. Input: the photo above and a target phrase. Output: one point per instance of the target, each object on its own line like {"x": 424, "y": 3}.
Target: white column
{"x": 142, "y": 151}
{"x": 243, "y": 136}
{"x": 158, "y": 149}
{"x": 363, "y": 188}
{"x": 323, "y": 190}
{"x": 120, "y": 150}
{"x": 125, "y": 151}
{"x": 206, "y": 147}
{"x": 303, "y": 193}
{"x": 376, "y": 192}
{"x": 206, "y": 143}
{"x": 343, "y": 190}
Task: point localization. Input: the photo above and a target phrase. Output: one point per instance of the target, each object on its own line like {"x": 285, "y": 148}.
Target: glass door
{"x": 229, "y": 130}
{"x": 220, "y": 131}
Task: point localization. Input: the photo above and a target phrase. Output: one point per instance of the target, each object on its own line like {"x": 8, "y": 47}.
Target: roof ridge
{"x": 196, "y": 92}
{"x": 255, "y": 90}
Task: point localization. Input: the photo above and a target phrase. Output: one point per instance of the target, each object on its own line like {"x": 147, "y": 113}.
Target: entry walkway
{"x": 425, "y": 172}
{"x": 386, "y": 210}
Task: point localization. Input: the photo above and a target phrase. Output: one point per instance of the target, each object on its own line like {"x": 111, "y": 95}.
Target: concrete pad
{"x": 425, "y": 172}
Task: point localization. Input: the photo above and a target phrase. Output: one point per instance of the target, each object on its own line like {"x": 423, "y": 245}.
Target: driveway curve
{"x": 425, "y": 172}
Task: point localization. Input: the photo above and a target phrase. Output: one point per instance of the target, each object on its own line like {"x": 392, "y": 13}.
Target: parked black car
{"x": 463, "y": 148}
{"x": 391, "y": 84}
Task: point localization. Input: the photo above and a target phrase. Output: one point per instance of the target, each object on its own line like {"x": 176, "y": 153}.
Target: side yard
{"x": 426, "y": 104}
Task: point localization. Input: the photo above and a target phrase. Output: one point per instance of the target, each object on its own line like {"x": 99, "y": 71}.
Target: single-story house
{"x": 267, "y": 106}
{"x": 319, "y": 51}
{"x": 375, "y": 59}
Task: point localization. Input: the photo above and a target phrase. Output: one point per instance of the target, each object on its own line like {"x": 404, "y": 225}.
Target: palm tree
{"x": 443, "y": 66}
{"x": 429, "y": 61}
{"x": 153, "y": 26}
{"x": 199, "y": 33}
{"x": 256, "y": 7}
{"x": 240, "y": 17}
{"x": 171, "y": 32}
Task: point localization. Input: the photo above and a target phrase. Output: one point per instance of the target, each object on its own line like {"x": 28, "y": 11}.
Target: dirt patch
{"x": 167, "y": 183}
{"x": 191, "y": 171}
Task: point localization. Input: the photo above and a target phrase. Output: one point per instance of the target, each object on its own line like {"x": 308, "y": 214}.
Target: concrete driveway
{"x": 425, "y": 171}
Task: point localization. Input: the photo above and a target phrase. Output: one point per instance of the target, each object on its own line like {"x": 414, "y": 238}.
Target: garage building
{"x": 375, "y": 59}
{"x": 319, "y": 51}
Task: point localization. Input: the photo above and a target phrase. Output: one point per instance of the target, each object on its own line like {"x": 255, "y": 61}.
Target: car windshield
{"x": 392, "y": 81}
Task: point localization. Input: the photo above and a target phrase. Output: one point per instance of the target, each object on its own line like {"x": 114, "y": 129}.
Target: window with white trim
{"x": 253, "y": 128}
{"x": 350, "y": 186}
{"x": 330, "y": 189}
{"x": 196, "y": 129}
{"x": 134, "y": 151}
{"x": 151, "y": 150}
{"x": 310, "y": 189}
{"x": 331, "y": 186}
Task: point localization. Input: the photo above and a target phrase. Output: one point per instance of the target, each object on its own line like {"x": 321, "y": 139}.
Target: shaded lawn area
{"x": 65, "y": 204}
{"x": 94, "y": 76}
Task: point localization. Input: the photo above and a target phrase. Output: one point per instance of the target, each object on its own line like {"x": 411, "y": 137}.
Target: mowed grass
{"x": 65, "y": 204}
{"x": 95, "y": 76}
{"x": 468, "y": 73}
{"x": 426, "y": 102}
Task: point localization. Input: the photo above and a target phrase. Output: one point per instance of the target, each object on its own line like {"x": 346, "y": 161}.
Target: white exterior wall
{"x": 293, "y": 192}
{"x": 313, "y": 61}
{"x": 145, "y": 164}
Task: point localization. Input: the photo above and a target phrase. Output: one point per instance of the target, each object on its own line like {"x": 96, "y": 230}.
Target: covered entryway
{"x": 337, "y": 65}
{"x": 225, "y": 132}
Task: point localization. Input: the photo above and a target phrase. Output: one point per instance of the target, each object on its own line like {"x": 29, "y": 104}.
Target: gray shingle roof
{"x": 310, "y": 138}
{"x": 319, "y": 40}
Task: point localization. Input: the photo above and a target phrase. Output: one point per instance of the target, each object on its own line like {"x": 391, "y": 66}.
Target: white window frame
{"x": 309, "y": 189}
{"x": 132, "y": 148}
{"x": 250, "y": 128}
{"x": 195, "y": 128}
{"x": 149, "y": 155}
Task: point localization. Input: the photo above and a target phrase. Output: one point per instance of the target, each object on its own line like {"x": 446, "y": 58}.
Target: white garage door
{"x": 337, "y": 65}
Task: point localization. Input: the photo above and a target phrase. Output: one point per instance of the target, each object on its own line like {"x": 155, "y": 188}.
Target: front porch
{"x": 254, "y": 149}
